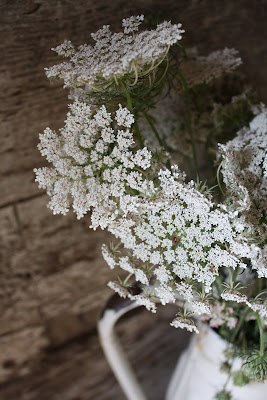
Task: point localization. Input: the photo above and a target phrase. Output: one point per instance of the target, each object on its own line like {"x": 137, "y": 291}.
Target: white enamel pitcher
{"x": 197, "y": 375}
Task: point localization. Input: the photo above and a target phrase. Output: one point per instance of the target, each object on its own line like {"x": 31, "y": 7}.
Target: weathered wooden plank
{"x": 36, "y": 244}
{"x": 78, "y": 371}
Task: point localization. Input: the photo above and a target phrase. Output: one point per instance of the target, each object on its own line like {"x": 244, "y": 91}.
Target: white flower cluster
{"x": 168, "y": 227}
{"x": 184, "y": 323}
{"x": 115, "y": 54}
{"x": 144, "y": 300}
{"x": 259, "y": 307}
{"x": 198, "y": 69}
{"x": 245, "y": 176}
{"x": 174, "y": 239}
{"x": 234, "y": 295}
{"x": 176, "y": 235}
{"x": 94, "y": 164}
{"x": 122, "y": 292}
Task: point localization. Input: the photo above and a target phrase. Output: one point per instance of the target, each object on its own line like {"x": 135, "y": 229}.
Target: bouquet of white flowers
{"x": 140, "y": 104}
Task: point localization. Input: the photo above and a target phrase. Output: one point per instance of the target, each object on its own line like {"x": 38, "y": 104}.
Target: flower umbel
{"x": 175, "y": 237}
{"x": 129, "y": 54}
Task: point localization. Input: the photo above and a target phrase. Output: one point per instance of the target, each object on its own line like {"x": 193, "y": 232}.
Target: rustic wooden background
{"x": 53, "y": 278}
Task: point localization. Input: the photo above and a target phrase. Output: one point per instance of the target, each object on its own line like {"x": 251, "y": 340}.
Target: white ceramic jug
{"x": 197, "y": 375}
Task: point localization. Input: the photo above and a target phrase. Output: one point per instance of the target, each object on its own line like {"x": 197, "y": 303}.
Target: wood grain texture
{"x": 79, "y": 371}
{"x": 37, "y": 248}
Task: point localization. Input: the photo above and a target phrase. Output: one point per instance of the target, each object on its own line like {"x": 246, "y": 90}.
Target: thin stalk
{"x": 117, "y": 246}
{"x": 218, "y": 178}
{"x": 189, "y": 122}
{"x": 116, "y": 80}
{"x": 261, "y": 293}
{"x": 218, "y": 288}
{"x": 185, "y": 309}
{"x": 235, "y": 274}
{"x": 261, "y": 336}
{"x": 164, "y": 73}
{"x": 203, "y": 292}
{"x": 180, "y": 44}
{"x": 219, "y": 280}
{"x": 239, "y": 325}
{"x": 152, "y": 126}
{"x": 231, "y": 278}
{"x": 153, "y": 287}
{"x": 126, "y": 279}
{"x": 130, "y": 105}
{"x": 228, "y": 378}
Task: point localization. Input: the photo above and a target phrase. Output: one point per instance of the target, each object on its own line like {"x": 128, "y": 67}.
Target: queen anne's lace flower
{"x": 91, "y": 162}
{"x": 245, "y": 179}
{"x": 174, "y": 237}
{"x": 184, "y": 323}
{"x": 108, "y": 256}
{"x": 180, "y": 211}
{"x": 144, "y": 300}
{"x": 185, "y": 290}
{"x": 165, "y": 294}
{"x": 122, "y": 291}
{"x": 124, "y": 117}
{"x": 234, "y": 295}
{"x": 128, "y": 53}
{"x": 200, "y": 307}
{"x": 258, "y": 307}
{"x": 177, "y": 227}
{"x": 198, "y": 69}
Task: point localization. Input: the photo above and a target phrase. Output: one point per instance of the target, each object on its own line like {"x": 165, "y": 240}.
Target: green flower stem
{"x": 185, "y": 308}
{"x": 219, "y": 281}
{"x": 130, "y": 105}
{"x": 259, "y": 285}
{"x": 153, "y": 288}
{"x": 218, "y": 288}
{"x": 196, "y": 102}
{"x": 235, "y": 274}
{"x": 180, "y": 44}
{"x": 152, "y": 126}
{"x": 239, "y": 325}
{"x": 231, "y": 278}
{"x": 117, "y": 246}
{"x": 127, "y": 278}
{"x": 218, "y": 178}
{"x": 189, "y": 121}
{"x": 203, "y": 294}
{"x": 261, "y": 335}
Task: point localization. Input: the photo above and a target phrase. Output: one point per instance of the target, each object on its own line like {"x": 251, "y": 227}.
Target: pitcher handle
{"x": 114, "y": 309}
